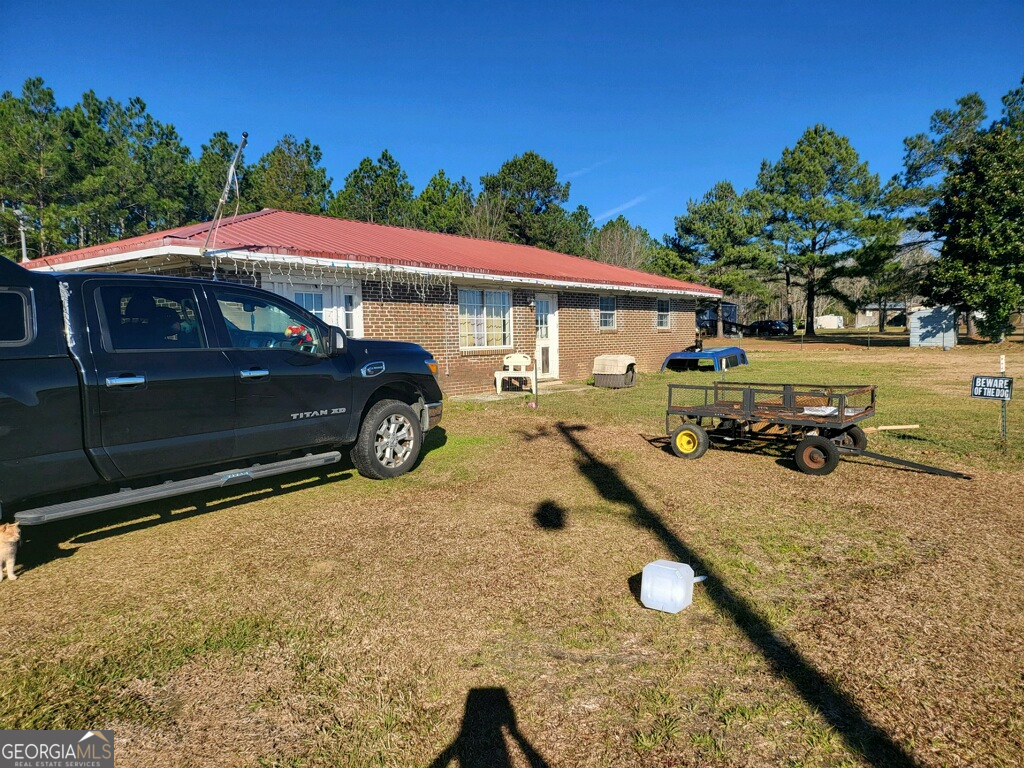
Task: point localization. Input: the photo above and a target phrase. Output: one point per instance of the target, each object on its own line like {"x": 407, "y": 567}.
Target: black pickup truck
{"x": 118, "y": 389}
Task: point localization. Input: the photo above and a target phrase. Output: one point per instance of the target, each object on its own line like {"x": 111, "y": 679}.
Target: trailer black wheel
{"x": 816, "y": 455}
{"x": 854, "y": 437}
{"x": 690, "y": 441}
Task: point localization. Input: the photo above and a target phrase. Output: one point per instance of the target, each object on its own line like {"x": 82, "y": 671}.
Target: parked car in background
{"x": 769, "y": 328}
{"x": 709, "y": 327}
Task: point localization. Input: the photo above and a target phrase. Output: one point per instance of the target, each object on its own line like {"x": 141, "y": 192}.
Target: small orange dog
{"x": 10, "y": 535}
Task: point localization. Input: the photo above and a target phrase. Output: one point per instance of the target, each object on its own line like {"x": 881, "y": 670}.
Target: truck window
{"x": 259, "y": 322}
{"x": 150, "y": 317}
{"x": 15, "y": 322}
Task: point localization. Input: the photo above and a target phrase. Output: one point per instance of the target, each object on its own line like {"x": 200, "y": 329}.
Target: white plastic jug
{"x": 667, "y": 586}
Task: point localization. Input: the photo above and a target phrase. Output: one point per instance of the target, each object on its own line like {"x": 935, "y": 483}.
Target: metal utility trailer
{"x": 821, "y": 419}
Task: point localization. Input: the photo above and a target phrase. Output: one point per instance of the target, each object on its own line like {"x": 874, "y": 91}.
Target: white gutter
{"x": 362, "y": 266}
{"x": 115, "y": 258}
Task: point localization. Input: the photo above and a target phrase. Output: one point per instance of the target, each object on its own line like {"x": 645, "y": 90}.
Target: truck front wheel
{"x": 389, "y": 441}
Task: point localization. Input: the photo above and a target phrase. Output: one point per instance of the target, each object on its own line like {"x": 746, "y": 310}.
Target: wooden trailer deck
{"x": 835, "y": 407}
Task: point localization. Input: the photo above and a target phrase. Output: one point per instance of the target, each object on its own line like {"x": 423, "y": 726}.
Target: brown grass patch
{"x": 482, "y": 610}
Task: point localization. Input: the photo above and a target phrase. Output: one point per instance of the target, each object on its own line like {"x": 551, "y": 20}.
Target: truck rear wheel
{"x": 389, "y": 441}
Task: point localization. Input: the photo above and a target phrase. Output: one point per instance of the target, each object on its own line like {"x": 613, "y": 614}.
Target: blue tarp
{"x": 683, "y": 361}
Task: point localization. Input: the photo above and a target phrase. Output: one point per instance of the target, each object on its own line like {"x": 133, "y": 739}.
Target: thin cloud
{"x": 585, "y": 171}
{"x": 620, "y": 208}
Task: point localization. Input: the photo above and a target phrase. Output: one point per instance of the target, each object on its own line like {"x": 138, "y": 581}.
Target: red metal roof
{"x": 299, "y": 234}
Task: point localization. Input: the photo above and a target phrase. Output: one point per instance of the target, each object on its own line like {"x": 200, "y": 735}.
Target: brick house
{"x": 469, "y": 302}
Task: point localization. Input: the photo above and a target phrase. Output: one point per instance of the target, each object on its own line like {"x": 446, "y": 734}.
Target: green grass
{"x": 486, "y": 604}
{"x": 92, "y": 687}
{"x": 918, "y": 392}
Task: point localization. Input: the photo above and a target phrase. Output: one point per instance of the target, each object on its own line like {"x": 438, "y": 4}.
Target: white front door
{"x": 546, "y": 355}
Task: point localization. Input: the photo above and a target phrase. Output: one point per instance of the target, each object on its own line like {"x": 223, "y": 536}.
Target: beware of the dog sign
{"x": 992, "y": 387}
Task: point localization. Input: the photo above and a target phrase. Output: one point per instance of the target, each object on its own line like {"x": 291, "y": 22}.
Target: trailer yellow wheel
{"x": 690, "y": 441}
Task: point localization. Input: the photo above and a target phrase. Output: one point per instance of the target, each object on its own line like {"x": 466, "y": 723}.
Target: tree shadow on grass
{"x": 861, "y": 735}
{"x": 549, "y": 515}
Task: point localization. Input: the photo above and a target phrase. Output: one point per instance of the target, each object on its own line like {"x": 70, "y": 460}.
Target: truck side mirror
{"x": 337, "y": 343}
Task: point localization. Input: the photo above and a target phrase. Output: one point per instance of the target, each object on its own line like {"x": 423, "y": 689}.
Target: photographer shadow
{"x": 488, "y": 724}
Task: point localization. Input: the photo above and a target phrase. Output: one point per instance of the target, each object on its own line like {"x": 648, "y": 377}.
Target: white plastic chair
{"x": 515, "y": 367}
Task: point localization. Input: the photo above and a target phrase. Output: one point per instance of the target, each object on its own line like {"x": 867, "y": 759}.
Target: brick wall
{"x": 581, "y": 339}
{"x": 428, "y": 315}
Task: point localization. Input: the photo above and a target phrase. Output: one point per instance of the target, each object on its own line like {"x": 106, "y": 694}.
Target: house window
{"x": 485, "y": 318}
{"x": 348, "y": 314}
{"x": 607, "y": 313}
{"x": 311, "y": 302}
{"x": 664, "y": 315}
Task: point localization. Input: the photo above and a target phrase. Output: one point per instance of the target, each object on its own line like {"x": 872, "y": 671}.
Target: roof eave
{"x": 358, "y": 265}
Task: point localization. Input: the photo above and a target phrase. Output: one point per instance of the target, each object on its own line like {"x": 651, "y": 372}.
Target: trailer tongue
{"x": 904, "y": 463}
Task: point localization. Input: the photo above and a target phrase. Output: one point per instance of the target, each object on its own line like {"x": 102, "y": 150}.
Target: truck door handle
{"x": 125, "y": 381}
{"x": 254, "y": 373}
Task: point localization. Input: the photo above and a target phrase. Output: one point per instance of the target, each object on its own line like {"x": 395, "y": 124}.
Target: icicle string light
{"x": 395, "y": 285}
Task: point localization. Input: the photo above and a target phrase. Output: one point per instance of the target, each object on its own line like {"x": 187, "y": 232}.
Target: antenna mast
{"x": 220, "y": 203}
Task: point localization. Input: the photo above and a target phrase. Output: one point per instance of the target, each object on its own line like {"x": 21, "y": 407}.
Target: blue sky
{"x": 640, "y": 108}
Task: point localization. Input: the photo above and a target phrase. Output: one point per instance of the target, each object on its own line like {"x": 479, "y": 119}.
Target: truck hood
{"x": 374, "y": 347}
{"x": 398, "y": 358}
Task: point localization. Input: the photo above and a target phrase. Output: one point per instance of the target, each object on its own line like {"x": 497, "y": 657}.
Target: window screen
{"x": 485, "y": 318}
{"x": 607, "y": 312}
{"x": 311, "y": 302}
{"x": 664, "y": 313}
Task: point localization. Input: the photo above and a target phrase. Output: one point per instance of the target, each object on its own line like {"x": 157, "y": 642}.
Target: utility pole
{"x": 21, "y": 228}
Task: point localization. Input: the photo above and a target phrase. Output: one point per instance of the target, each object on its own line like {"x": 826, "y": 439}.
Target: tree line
{"x": 101, "y": 170}
{"x": 817, "y": 225}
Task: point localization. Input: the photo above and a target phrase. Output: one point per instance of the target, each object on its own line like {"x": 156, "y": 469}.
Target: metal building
{"x": 934, "y": 327}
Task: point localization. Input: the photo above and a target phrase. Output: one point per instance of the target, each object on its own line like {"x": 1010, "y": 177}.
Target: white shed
{"x": 933, "y": 327}
{"x": 829, "y": 321}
